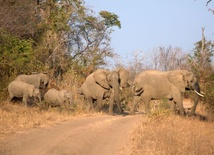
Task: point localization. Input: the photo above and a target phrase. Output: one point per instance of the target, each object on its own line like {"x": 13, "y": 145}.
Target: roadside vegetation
{"x": 172, "y": 134}
{"x": 68, "y": 41}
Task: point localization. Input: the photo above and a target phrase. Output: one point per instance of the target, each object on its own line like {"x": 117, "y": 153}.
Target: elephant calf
{"x": 23, "y": 90}
{"x": 60, "y": 98}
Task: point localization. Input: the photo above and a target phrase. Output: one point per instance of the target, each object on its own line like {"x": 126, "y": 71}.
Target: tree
{"x": 200, "y": 61}
{"x": 168, "y": 58}
{"x": 208, "y": 4}
{"x": 89, "y": 40}
{"x": 17, "y": 17}
{"x": 137, "y": 63}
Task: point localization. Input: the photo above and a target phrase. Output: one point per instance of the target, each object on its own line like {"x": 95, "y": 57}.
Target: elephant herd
{"x": 31, "y": 86}
{"x": 104, "y": 85}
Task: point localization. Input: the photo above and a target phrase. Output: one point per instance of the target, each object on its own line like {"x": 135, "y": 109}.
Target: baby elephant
{"x": 23, "y": 90}
{"x": 60, "y": 98}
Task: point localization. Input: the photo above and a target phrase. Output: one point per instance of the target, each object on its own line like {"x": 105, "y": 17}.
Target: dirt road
{"x": 100, "y": 135}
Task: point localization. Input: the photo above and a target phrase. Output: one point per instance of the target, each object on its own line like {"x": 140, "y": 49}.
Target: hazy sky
{"x": 149, "y": 24}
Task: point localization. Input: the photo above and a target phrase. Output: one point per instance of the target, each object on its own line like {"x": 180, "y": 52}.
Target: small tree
{"x": 201, "y": 63}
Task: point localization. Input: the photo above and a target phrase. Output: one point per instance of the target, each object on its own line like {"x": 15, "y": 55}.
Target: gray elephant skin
{"x": 23, "y": 90}
{"x": 154, "y": 85}
{"x": 102, "y": 84}
{"x": 60, "y": 98}
{"x": 40, "y": 80}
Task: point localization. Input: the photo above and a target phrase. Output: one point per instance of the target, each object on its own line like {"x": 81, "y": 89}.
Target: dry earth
{"x": 103, "y": 135}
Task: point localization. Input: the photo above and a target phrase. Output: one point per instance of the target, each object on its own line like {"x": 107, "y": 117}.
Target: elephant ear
{"x": 177, "y": 80}
{"x": 188, "y": 76}
{"x": 100, "y": 77}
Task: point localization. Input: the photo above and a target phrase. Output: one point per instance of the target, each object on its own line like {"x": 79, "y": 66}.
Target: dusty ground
{"x": 103, "y": 135}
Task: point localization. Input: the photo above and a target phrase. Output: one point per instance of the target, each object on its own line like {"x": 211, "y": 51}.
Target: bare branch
{"x": 208, "y": 2}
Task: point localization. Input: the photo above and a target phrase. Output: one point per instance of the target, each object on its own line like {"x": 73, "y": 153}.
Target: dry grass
{"x": 172, "y": 134}
{"x": 17, "y": 117}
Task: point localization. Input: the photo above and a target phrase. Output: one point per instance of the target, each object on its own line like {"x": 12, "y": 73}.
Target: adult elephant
{"x": 23, "y": 90}
{"x": 102, "y": 84}
{"x": 153, "y": 85}
{"x": 60, "y": 98}
{"x": 40, "y": 80}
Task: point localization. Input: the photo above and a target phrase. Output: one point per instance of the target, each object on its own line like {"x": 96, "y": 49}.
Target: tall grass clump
{"x": 172, "y": 134}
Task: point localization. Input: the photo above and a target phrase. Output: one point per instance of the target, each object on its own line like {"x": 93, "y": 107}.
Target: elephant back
{"x": 51, "y": 96}
{"x": 30, "y": 79}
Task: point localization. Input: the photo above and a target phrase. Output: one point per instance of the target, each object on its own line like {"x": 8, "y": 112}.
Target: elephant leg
{"x": 147, "y": 106}
{"x": 46, "y": 106}
{"x": 62, "y": 106}
{"x": 172, "y": 106}
{"x": 111, "y": 105}
{"x": 11, "y": 98}
{"x": 24, "y": 99}
{"x": 136, "y": 100}
{"x": 178, "y": 100}
{"x": 196, "y": 99}
{"x": 119, "y": 107}
{"x": 99, "y": 104}
{"x": 90, "y": 104}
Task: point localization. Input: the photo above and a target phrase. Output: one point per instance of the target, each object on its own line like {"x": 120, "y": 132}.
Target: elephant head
{"x": 186, "y": 80}
{"x": 65, "y": 97}
{"x": 124, "y": 77}
{"x": 43, "y": 79}
{"x": 68, "y": 97}
{"x": 100, "y": 77}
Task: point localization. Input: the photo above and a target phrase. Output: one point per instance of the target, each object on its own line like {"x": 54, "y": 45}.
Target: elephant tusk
{"x": 121, "y": 88}
{"x": 198, "y": 93}
{"x": 203, "y": 93}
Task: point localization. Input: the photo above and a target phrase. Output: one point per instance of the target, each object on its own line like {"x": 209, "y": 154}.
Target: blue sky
{"x": 149, "y": 24}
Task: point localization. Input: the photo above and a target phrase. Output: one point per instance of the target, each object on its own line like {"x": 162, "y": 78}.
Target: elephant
{"x": 39, "y": 81}
{"x": 23, "y": 90}
{"x": 104, "y": 84}
{"x": 154, "y": 84}
{"x": 60, "y": 98}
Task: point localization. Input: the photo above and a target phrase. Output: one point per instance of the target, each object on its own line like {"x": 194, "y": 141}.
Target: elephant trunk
{"x": 116, "y": 97}
{"x": 196, "y": 89}
{"x": 40, "y": 100}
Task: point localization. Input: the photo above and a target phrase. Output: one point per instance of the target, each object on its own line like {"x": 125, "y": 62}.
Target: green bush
{"x": 16, "y": 57}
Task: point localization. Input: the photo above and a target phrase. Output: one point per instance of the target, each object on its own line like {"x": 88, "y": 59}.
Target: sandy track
{"x": 100, "y": 135}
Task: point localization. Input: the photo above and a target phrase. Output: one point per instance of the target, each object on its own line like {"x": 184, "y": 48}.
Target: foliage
{"x": 72, "y": 37}
{"x": 201, "y": 64}
{"x": 208, "y": 86}
{"x": 89, "y": 40}
{"x": 110, "y": 19}
{"x": 18, "y": 17}
{"x": 200, "y": 60}
{"x": 16, "y": 57}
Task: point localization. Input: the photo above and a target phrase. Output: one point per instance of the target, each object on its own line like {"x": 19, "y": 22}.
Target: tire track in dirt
{"x": 103, "y": 135}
